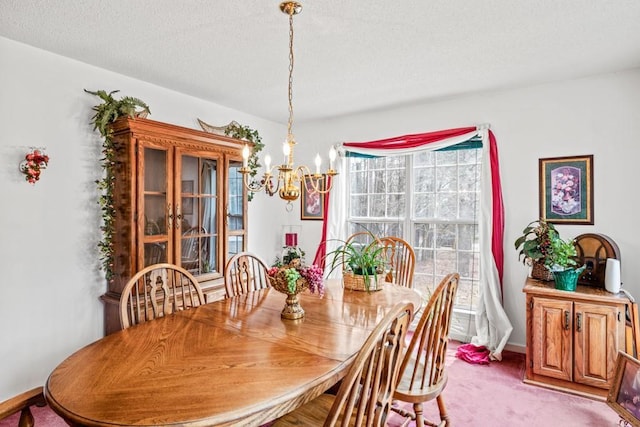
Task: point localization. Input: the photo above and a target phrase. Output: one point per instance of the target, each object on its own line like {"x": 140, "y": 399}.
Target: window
{"x": 431, "y": 199}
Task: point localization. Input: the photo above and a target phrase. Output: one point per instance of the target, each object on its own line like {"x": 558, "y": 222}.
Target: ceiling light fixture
{"x": 289, "y": 176}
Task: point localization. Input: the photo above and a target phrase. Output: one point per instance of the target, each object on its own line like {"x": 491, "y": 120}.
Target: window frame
{"x": 408, "y": 223}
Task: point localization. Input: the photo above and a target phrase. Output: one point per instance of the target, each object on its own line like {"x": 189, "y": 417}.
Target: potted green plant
{"x": 561, "y": 261}
{"x": 534, "y": 245}
{"x": 362, "y": 263}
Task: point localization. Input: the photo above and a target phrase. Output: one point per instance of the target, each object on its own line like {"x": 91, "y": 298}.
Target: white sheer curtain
{"x": 493, "y": 327}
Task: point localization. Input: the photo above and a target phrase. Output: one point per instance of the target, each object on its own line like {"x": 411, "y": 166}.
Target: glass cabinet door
{"x": 198, "y": 206}
{"x": 236, "y": 210}
{"x": 155, "y": 207}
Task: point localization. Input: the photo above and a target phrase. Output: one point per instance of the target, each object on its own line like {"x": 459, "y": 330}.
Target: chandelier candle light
{"x": 288, "y": 174}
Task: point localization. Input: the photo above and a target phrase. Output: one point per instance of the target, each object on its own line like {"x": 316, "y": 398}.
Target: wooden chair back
{"x": 363, "y": 238}
{"x": 22, "y": 403}
{"x": 245, "y": 272}
{"x": 401, "y": 261}
{"x": 158, "y": 290}
{"x": 154, "y": 253}
{"x": 364, "y": 397}
{"x": 422, "y": 373}
{"x": 194, "y": 247}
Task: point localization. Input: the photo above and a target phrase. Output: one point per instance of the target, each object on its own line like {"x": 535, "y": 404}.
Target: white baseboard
{"x": 516, "y": 348}
{"x": 463, "y": 328}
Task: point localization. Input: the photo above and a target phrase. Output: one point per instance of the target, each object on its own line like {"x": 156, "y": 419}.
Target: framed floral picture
{"x": 312, "y": 202}
{"x": 624, "y": 394}
{"x": 566, "y": 189}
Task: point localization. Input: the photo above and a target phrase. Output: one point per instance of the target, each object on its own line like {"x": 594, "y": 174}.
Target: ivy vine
{"x": 238, "y": 131}
{"x": 105, "y": 114}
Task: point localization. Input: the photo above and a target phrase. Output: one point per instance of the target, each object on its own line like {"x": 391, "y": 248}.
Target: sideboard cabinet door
{"x": 552, "y": 332}
{"x": 597, "y": 340}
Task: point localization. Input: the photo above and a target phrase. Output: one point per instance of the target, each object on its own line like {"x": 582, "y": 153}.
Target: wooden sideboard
{"x": 573, "y": 338}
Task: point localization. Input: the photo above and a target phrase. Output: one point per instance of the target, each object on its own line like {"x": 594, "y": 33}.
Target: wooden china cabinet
{"x": 179, "y": 198}
{"x": 573, "y": 338}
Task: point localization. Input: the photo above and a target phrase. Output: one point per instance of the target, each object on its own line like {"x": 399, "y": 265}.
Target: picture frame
{"x": 566, "y": 189}
{"x": 624, "y": 394}
{"x": 312, "y": 202}
{"x": 187, "y": 202}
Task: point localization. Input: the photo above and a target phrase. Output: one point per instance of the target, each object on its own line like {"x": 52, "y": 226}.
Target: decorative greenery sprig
{"x": 105, "y": 114}
{"x": 244, "y": 132}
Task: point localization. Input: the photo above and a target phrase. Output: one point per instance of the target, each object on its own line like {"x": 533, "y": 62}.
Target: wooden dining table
{"x": 229, "y": 362}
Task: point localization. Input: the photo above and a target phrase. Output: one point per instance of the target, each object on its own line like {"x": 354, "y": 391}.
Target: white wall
{"x": 598, "y": 115}
{"x": 51, "y": 280}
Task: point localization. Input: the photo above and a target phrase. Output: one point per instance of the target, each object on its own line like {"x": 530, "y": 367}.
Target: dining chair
{"x": 423, "y": 376}
{"x": 194, "y": 247}
{"x": 158, "y": 290}
{"x": 154, "y": 253}
{"x": 22, "y": 403}
{"x": 364, "y": 396}
{"x": 401, "y": 261}
{"x": 243, "y": 273}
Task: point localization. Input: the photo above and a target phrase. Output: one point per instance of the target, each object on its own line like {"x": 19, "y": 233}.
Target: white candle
{"x": 318, "y": 163}
{"x": 245, "y": 156}
{"x": 332, "y": 157}
{"x": 286, "y": 149}
{"x": 267, "y": 162}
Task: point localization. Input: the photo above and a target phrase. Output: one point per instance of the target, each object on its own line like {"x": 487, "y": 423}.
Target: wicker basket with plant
{"x": 534, "y": 245}
{"x": 362, "y": 259}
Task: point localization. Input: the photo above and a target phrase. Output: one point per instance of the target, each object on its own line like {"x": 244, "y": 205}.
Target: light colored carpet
{"x": 494, "y": 395}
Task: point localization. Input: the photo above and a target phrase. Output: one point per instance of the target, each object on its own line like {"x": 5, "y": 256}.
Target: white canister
{"x": 612, "y": 275}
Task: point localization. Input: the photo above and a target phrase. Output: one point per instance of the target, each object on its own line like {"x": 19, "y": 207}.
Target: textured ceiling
{"x": 350, "y": 55}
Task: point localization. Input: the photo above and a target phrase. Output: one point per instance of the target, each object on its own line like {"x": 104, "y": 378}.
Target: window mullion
{"x": 409, "y": 213}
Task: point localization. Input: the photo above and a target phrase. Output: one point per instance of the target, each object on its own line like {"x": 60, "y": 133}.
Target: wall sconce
{"x": 34, "y": 162}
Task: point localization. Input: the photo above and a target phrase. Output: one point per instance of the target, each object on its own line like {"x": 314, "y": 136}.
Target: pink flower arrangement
{"x": 33, "y": 163}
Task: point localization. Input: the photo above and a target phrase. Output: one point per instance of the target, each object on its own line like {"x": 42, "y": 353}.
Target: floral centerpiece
{"x": 293, "y": 278}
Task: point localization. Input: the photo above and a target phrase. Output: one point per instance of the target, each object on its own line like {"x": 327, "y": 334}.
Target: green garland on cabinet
{"x": 105, "y": 114}
{"x": 238, "y": 131}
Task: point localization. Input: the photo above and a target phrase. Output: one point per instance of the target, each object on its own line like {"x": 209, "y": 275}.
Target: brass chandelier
{"x": 289, "y": 177}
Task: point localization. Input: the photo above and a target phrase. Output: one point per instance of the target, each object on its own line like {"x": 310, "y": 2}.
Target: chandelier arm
{"x": 314, "y": 179}
{"x": 251, "y": 185}
{"x": 268, "y": 184}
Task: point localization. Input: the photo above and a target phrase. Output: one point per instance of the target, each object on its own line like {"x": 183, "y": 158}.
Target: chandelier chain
{"x": 291, "y": 60}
